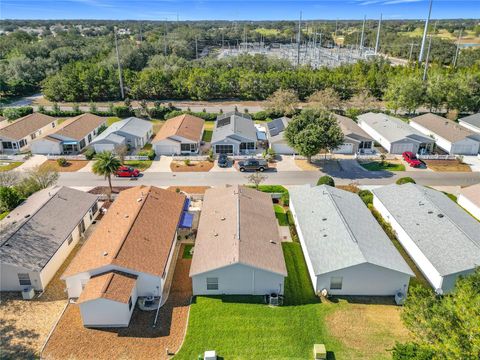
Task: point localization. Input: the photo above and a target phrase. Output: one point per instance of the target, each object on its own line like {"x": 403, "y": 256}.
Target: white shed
{"x": 469, "y": 199}
{"x": 441, "y": 238}
{"x": 346, "y": 251}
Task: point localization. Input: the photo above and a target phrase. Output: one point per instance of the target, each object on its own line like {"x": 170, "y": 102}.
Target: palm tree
{"x": 106, "y": 163}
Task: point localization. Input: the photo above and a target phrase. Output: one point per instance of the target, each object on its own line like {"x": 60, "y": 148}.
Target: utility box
{"x": 28, "y": 293}
{"x": 319, "y": 352}
{"x": 210, "y": 355}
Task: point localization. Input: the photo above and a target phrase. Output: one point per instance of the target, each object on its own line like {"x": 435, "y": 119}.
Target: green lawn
{"x": 377, "y": 166}
{"x": 243, "y": 327}
{"x": 280, "y": 215}
{"x": 187, "y": 251}
{"x": 10, "y": 166}
{"x": 112, "y": 120}
{"x": 139, "y": 164}
{"x": 207, "y": 135}
{"x": 4, "y": 215}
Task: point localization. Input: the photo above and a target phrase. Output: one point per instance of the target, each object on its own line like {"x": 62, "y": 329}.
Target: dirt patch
{"x": 447, "y": 165}
{"x": 99, "y": 190}
{"x": 194, "y": 166}
{"x": 71, "y": 166}
{"x": 71, "y": 340}
{"x": 369, "y": 329}
{"x": 190, "y": 189}
{"x": 350, "y": 187}
{"x": 317, "y": 165}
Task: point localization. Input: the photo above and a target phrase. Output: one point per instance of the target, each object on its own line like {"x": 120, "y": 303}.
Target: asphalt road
{"x": 284, "y": 178}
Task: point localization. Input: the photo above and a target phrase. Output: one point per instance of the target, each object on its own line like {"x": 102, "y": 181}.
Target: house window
{"x": 185, "y": 147}
{"x": 70, "y": 239}
{"x": 82, "y": 144}
{"x": 212, "y": 283}
{"x": 33, "y": 136}
{"x": 89, "y": 138}
{"x": 224, "y": 149}
{"x": 130, "y": 304}
{"x": 81, "y": 227}
{"x": 7, "y": 145}
{"x": 53, "y": 125}
{"x": 94, "y": 208}
{"x": 24, "y": 279}
{"x": 365, "y": 145}
{"x": 336, "y": 283}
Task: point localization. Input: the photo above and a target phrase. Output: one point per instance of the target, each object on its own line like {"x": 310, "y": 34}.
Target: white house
{"x": 346, "y": 250}
{"x": 70, "y": 137}
{"x": 440, "y": 237}
{"x": 237, "y": 248}
{"x": 275, "y": 135}
{"x": 471, "y": 122}
{"x": 17, "y": 135}
{"x": 449, "y": 136}
{"x": 395, "y": 135}
{"x": 129, "y": 255}
{"x": 179, "y": 135}
{"x": 355, "y": 139}
{"x": 38, "y": 235}
{"x": 234, "y": 133}
{"x": 131, "y": 132}
{"x": 469, "y": 199}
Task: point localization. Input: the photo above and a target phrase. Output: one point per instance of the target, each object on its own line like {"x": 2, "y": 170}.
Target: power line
{"x": 425, "y": 32}
{"x": 457, "y": 51}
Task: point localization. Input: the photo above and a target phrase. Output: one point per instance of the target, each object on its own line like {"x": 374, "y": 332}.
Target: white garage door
{"x": 103, "y": 147}
{"x": 401, "y": 148}
{"x": 346, "y": 148}
{"x": 165, "y": 149}
{"x": 283, "y": 149}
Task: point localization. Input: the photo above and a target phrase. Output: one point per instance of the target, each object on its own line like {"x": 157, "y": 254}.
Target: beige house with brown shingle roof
{"x": 17, "y": 135}
{"x": 237, "y": 248}
{"x": 179, "y": 135}
{"x": 71, "y": 137}
{"x": 448, "y": 135}
{"x": 129, "y": 255}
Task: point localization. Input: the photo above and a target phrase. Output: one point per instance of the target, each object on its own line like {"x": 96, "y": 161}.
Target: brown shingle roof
{"x": 80, "y": 126}
{"x": 237, "y": 225}
{"x": 186, "y": 126}
{"x": 25, "y": 126}
{"x": 447, "y": 129}
{"x": 113, "y": 285}
{"x": 136, "y": 233}
{"x": 351, "y": 129}
{"x": 472, "y": 193}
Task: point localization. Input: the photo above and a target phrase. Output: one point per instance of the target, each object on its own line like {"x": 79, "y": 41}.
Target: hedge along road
{"x": 283, "y": 178}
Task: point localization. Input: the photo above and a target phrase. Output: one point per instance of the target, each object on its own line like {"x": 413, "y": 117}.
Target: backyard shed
{"x": 449, "y": 136}
{"x": 346, "y": 250}
{"x": 237, "y": 248}
{"x": 469, "y": 199}
{"x": 395, "y": 135}
{"x": 440, "y": 237}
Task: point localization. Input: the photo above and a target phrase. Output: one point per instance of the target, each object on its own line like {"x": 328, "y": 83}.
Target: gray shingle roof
{"x": 447, "y": 235}
{"x": 472, "y": 120}
{"x": 32, "y": 242}
{"x": 131, "y": 125}
{"x": 275, "y": 129}
{"x": 392, "y": 128}
{"x": 236, "y": 126}
{"x": 340, "y": 232}
{"x": 351, "y": 130}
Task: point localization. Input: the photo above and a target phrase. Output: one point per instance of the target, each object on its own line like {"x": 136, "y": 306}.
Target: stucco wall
{"x": 9, "y": 278}
{"x": 44, "y": 146}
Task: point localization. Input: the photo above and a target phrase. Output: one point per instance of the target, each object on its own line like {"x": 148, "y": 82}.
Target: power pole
{"x": 299, "y": 36}
{"x": 120, "y": 78}
{"x": 425, "y": 32}
{"x": 457, "y": 52}
{"x": 196, "y": 47}
{"x": 425, "y": 71}
{"x": 165, "y": 39}
{"x": 362, "y": 38}
{"x": 411, "y": 52}
{"x": 377, "y": 43}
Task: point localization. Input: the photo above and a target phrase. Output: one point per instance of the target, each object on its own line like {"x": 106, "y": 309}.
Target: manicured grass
{"x": 209, "y": 125}
{"x": 4, "y": 215}
{"x": 187, "y": 251}
{"x": 112, "y": 120}
{"x": 272, "y": 188}
{"x": 377, "y": 166}
{"x": 280, "y": 215}
{"x": 147, "y": 147}
{"x": 10, "y": 166}
{"x": 451, "y": 196}
{"x": 207, "y": 135}
{"x": 139, "y": 164}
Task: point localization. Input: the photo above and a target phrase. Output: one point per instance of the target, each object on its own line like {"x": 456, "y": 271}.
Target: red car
{"x": 126, "y": 171}
{"x": 411, "y": 159}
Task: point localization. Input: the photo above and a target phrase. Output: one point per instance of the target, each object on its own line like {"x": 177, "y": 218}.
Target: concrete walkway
{"x": 33, "y": 161}
{"x": 160, "y": 164}
{"x": 87, "y": 168}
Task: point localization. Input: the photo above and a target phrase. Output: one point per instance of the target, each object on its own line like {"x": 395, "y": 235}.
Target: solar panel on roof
{"x": 275, "y": 127}
{"x": 223, "y": 122}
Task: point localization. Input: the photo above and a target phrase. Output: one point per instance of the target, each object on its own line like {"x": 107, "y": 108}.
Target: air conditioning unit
{"x": 210, "y": 355}
{"x": 28, "y": 293}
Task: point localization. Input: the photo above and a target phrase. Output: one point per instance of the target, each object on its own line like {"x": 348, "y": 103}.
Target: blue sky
{"x": 234, "y": 10}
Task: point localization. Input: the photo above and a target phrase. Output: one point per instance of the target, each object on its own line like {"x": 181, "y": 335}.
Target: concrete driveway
{"x": 217, "y": 168}
{"x": 160, "y": 164}
{"x": 473, "y": 161}
{"x": 287, "y": 163}
{"x": 87, "y": 168}
{"x": 33, "y": 161}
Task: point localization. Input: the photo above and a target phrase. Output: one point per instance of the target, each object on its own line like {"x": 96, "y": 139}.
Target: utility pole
{"x": 362, "y": 38}
{"x": 457, "y": 52}
{"x": 425, "y": 32}
{"x": 377, "y": 43}
{"x": 120, "y": 78}
{"x": 299, "y": 36}
{"x": 165, "y": 39}
{"x": 425, "y": 71}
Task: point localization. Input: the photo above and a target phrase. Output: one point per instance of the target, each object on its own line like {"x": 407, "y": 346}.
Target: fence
{"x": 13, "y": 157}
{"x": 67, "y": 157}
{"x": 316, "y": 157}
{"x": 436, "y": 157}
{"x": 189, "y": 157}
{"x": 137, "y": 157}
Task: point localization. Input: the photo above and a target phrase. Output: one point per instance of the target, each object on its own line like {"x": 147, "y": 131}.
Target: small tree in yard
{"x": 121, "y": 151}
{"x": 282, "y": 102}
{"x": 62, "y": 162}
{"x": 405, "y": 180}
{"x": 43, "y": 176}
{"x": 313, "y": 130}
{"x": 256, "y": 179}
{"x": 106, "y": 164}
{"x": 382, "y": 159}
{"x": 326, "y": 180}
{"x": 9, "y": 198}
{"x": 327, "y": 99}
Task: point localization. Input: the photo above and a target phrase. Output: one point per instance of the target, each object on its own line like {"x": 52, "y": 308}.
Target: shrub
{"x": 186, "y": 162}
{"x": 9, "y": 198}
{"x": 89, "y": 153}
{"x": 326, "y": 180}
{"x": 285, "y": 199}
{"x": 15, "y": 113}
{"x": 352, "y": 113}
{"x": 102, "y": 128}
{"x": 366, "y": 196}
{"x": 405, "y": 180}
{"x": 62, "y": 162}
{"x": 122, "y": 111}
{"x": 260, "y": 115}
{"x": 211, "y": 157}
{"x": 411, "y": 351}
{"x": 150, "y": 153}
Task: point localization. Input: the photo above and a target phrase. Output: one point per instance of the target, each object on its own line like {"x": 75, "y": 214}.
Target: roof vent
{"x": 27, "y": 216}
{"x": 430, "y": 212}
{"x": 105, "y": 253}
{"x": 440, "y": 215}
{"x": 139, "y": 199}
{"x": 215, "y": 234}
{"x": 223, "y": 218}
{"x": 126, "y": 216}
{"x": 272, "y": 242}
{"x": 324, "y": 219}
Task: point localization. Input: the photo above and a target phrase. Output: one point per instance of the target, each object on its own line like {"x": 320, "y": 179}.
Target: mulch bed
{"x": 71, "y": 340}
{"x": 195, "y": 166}
{"x": 100, "y": 190}
{"x": 447, "y": 165}
{"x": 190, "y": 189}
{"x": 72, "y": 165}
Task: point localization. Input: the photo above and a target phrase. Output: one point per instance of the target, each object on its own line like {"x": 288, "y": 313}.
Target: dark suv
{"x": 252, "y": 165}
{"x": 222, "y": 160}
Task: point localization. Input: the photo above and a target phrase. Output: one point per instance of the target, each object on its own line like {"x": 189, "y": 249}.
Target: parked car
{"x": 411, "y": 159}
{"x": 223, "y": 160}
{"x": 253, "y": 165}
{"x": 127, "y": 171}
